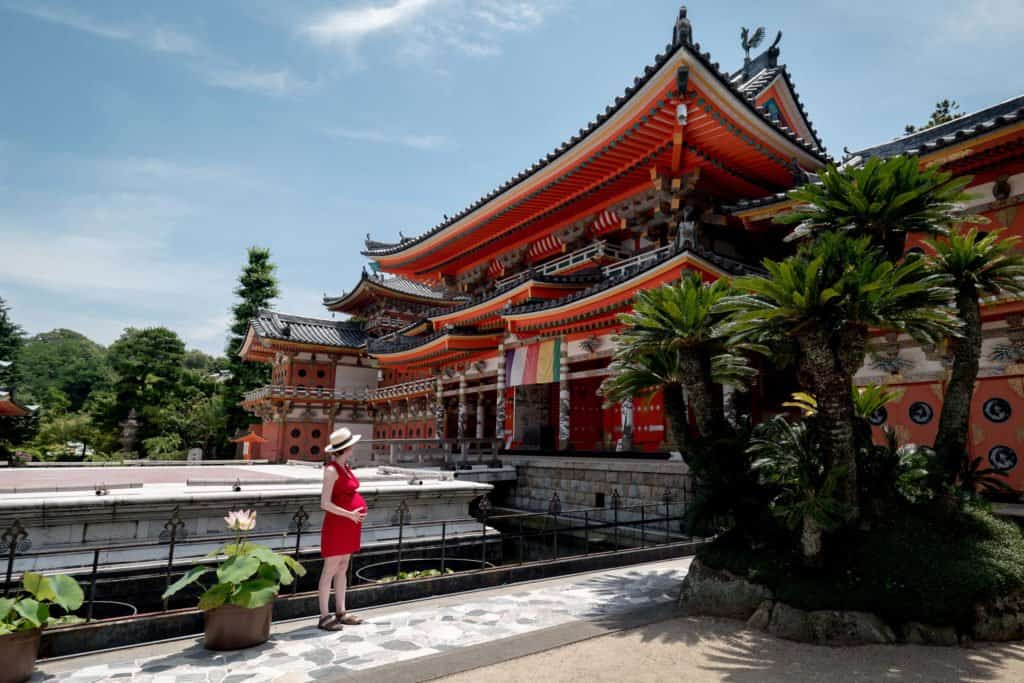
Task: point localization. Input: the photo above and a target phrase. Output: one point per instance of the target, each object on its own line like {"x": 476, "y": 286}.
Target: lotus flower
{"x": 241, "y": 520}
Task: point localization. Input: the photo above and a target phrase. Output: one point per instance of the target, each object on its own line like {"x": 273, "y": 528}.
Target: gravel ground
{"x": 701, "y": 649}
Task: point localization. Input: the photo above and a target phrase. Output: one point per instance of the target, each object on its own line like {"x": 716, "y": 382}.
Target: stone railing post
{"x": 499, "y": 417}
{"x": 461, "y": 429}
{"x": 626, "y": 442}
{"x": 564, "y": 426}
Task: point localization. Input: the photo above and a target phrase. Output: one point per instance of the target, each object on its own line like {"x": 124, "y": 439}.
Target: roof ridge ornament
{"x": 683, "y": 32}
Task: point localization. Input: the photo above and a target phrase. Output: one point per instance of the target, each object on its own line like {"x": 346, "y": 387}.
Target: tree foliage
{"x": 945, "y": 111}
{"x": 63, "y": 360}
{"x": 257, "y": 288}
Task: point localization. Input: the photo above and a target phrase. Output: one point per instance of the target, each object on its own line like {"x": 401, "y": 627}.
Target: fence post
{"x": 14, "y": 539}
{"x": 171, "y": 527}
{"x": 616, "y": 501}
{"x": 299, "y": 519}
{"x": 586, "y": 532}
{"x": 92, "y": 584}
{"x": 485, "y": 509}
{"x": 444, "y": 535}
{"x": 667, "y": 499}
{"x": 554, "y": 508}
{"x": 403, "y": 510}
{"x": 643, "y": 524}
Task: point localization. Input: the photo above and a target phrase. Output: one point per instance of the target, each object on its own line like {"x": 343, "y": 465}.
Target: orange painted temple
{"x": 499, "y": 323}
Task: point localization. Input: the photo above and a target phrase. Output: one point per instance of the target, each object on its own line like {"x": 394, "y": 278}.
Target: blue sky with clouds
{"x": 145, "y": 145}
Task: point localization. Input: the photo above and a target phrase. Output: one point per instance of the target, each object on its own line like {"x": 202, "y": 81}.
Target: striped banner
{"x": 533, "y": 364}
{"x": 544, "y": 247}
{"x": 608, "y": 221}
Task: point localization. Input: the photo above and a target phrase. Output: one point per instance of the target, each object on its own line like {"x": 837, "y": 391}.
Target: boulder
{"x": 790, "y": 623}
{"x": 762, "y": 617}
{"x": 835, "y": 627}
{"x": 719, "y": 593}
{"x": 1001, "y": 619}
{"x": 917, "y": 633}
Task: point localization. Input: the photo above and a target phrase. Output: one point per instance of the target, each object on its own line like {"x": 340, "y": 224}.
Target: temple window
{"x": 296, "y": 433}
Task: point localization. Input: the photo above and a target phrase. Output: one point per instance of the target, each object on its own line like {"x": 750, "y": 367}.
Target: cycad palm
{"x": 673, "y": 329}
{"x": 825, "y": 299}
{"x": 884, "y": 199}
{"x": 977, "y": 266}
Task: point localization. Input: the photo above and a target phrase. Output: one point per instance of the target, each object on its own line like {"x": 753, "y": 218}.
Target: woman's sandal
{"x": 329, "y": 623}
{"x": 348, "y": 619}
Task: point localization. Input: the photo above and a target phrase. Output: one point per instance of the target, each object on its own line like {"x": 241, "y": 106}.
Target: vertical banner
{"x": 534, "y": 364}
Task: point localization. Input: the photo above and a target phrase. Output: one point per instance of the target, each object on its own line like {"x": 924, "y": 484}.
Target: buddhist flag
{"x": 533, "y": 364}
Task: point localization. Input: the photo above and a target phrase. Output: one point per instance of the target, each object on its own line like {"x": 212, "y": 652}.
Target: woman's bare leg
{"x": 341, "y": 583}
{"x": 327, "y": 575}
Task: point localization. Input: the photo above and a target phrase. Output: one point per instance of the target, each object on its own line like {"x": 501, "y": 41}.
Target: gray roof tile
{"x": 301, "y": 330}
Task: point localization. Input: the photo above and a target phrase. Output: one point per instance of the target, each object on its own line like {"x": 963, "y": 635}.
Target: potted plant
{"x": 24, "y": 616}
{"x": 239, "y": 606}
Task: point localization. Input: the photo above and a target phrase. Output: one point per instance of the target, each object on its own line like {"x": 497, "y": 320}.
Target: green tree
{"x": 977, "y": 266}
{"x": 944, "y": 112}
{"x": 885, "y": 199}
{"x": 148, "y": 374}
{"x": 257, "y": 288}
{"x": 13, "y": 430}
{"x": 60, "y": 429}
{"x": 64, "y": 360}
{"x": 825, "y": 300}
{"x": 678, "y": 319}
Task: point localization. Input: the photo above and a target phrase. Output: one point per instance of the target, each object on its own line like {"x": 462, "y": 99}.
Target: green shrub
{"x": 926, "y": 564}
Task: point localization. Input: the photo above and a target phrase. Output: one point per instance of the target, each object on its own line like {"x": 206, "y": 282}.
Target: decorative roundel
{"x": 921, "y": 413}
{"x": 294, "y": 450}
{"x": 296, "y": 433}
{"x": 879, "y": 417}
{"x": 1002, "y": 458}
{"x": 316, "y": 434}
{"x": 997, "y": 409}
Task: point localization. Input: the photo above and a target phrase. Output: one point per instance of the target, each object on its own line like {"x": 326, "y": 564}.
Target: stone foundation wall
{"x": 579, "y": 481}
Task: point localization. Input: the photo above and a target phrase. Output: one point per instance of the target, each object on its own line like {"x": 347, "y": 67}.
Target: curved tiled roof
{"x": 315, "y": 331}
{"x": 813, "y": 148}
{"x": 399, "y": 285}
{"x": 958, "y": 130}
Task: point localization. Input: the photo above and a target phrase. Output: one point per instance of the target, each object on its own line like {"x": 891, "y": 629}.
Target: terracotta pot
{"x": 230, "y": 627}
{"x": 18, "y": 652}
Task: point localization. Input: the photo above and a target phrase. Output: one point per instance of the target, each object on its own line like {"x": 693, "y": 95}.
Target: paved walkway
{"x": 699, "y": 650}
{"x": 416, "y": 641}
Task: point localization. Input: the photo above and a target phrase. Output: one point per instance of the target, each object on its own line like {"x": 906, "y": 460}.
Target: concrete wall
{"x": 578, "y": 481}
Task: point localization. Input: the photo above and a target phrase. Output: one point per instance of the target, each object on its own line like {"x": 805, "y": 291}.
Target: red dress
{"x": 339, "y": 535}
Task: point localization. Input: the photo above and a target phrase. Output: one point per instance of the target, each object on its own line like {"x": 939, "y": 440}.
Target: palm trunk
{"x": 832, "y": 387}
{"x": 699, "y": 390}
{"x": 811, "y": 542}
{"x": 954, "y": 421}
{"x": 675, "y": 407}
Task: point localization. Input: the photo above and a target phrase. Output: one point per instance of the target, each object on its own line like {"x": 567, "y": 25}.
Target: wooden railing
{"x": 416, "y": 386}
{"x": 637, "y": 263}
{"x": 589, "y": 253}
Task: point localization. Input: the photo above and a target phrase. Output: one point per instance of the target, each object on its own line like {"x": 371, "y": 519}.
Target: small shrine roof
{"x": 958, "y": 130}
{"x": 296, "y": 329}
{"x": 679, "y": 44}
{"x": 399, "y": 286}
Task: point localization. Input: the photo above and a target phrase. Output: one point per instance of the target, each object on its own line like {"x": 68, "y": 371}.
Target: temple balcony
{"x": 286, "y": 392}
{"x": 416, "y": 387}
{"x": 592, "y": 253}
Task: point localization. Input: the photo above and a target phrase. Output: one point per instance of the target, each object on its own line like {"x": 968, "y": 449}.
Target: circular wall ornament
{"x": 921, "y": 413}
{"x": 879, "y": 417}
{"x": 1002, "y": 458}
{"x": 997, "y": 410}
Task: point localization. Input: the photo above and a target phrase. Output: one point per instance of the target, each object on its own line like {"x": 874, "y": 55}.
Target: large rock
{"x": 762, "y": 617}
{"x": 720, "y": 593}
{"x": 917, "y": 633}
{"x": 790, "y": 623}
{"x": 1000, "y": 619}
{"x": 834, "y": 627}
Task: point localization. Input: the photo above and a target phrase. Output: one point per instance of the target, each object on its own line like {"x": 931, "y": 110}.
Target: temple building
{"x": 499, "y": 322}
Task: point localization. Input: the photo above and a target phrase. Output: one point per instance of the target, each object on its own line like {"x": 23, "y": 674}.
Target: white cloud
{"x": 980, "y": 18}
{"x": 352, "y": 24}
{"x": 425, "y": 27}
{"x": 423, "y": 142}
{"x": 214, "y": 69}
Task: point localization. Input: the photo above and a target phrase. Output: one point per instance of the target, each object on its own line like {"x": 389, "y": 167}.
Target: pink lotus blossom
{"x": 241, "y": 520}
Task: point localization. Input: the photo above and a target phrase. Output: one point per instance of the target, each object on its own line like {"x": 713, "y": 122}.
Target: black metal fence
{"x": 549, "y": 536}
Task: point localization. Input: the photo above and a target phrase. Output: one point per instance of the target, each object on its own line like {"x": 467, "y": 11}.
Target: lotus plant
{"x": 30, "y": 609}
{"x": 250, "y": 577}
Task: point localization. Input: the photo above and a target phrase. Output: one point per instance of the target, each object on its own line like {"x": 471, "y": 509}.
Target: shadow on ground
{"x": 726, "y": 650}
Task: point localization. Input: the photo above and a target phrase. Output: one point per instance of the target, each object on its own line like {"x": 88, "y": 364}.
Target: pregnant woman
{"x": 344, "y": 511}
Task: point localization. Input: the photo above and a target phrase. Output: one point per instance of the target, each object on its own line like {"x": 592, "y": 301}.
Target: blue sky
{"x": 145, "y": 145}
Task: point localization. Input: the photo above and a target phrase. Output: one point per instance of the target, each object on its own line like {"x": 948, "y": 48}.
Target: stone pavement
{"x": 499, "y": 622}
